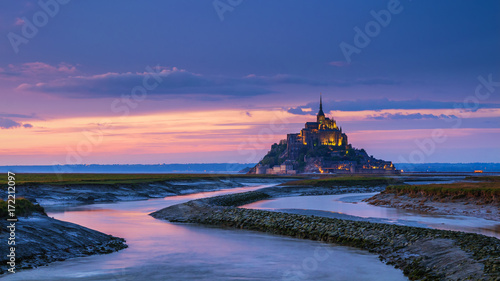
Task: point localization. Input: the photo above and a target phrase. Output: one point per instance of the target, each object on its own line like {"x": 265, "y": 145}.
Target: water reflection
{"x": 351, "y": 205}
{"x": 160, "y": 250}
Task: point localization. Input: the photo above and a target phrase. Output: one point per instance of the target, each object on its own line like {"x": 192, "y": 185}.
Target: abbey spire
{"x": 320, "y": 147}
{"x": 321, "y": 113}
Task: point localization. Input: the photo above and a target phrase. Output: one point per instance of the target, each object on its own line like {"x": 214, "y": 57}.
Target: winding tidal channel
{"x": 160, "y": 250}
{"x": 351, "y": 207}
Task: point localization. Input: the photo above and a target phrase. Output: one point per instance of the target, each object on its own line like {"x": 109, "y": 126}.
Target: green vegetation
{"x": 23, "y": 208}
{"x": 484, "y": 178}
{"x": 345, "y": 181}
{"x": 273, "y": 158}
{"x": 331, "y": 153}
{"x": 301, "y": 163}
{"x": 486, "y": 191}
{"x": 64, "y": 179}
{"x": 319, "y": 151}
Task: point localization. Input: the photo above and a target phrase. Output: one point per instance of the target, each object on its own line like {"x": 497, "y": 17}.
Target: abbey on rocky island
{"x": 320, "y": 147}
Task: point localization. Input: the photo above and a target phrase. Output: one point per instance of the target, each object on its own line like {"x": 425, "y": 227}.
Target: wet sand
{"x": 463, "y": 207}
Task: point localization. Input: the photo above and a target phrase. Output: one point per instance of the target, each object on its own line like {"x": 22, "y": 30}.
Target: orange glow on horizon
{"x": 157, "y": 133}
{"x": 216, "y": 132}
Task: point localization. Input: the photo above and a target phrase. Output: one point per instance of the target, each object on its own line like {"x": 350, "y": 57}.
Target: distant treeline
{"x": 448, "y": 167}
{"x": 228, "y": 168}
{"x": 160, "y": 168}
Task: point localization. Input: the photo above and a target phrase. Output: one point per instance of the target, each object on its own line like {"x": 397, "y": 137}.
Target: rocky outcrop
{"x": 40, "y": 240}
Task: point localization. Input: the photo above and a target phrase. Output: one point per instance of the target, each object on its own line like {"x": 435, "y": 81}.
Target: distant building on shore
{"x": 322, "y": 132}
{"x": 321, "y": 147}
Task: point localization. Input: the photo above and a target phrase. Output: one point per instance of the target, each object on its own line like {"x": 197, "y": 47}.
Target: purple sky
{"x": 186, "y": 81}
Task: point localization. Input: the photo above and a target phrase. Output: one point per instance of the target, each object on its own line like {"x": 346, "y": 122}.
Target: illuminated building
{"x": 322, "y": 132}
{"x": 320, "y": 147}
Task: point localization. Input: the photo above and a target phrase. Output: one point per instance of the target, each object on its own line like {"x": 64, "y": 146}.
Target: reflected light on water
{"x": 343, "y": 204}
{"x": 160, "y": 250}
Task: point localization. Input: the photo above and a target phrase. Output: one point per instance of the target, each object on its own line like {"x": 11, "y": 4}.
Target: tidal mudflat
{"x": 161, "y": 250}
{"x": 207, "y": 233}
{"x": 419, "y": 252}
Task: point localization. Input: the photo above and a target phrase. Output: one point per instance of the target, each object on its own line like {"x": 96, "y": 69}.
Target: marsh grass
{"x": 487, "y": 191}
{"x": 24, "y": 207}
{"x": 484, "y": 178}
{"x": 345, "y": 181}
{"x": 111, "y": 179}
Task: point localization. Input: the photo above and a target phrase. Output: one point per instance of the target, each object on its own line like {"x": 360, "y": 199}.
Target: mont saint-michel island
{"x": 320, "y": 147}
{"x": 225, "y": 140}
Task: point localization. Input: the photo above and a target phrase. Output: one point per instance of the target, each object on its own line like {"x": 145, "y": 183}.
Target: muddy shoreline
{"x": 438, "y": 206}
{"x": 41, "y": 240}
{"x": 418, "y": 252}
{"x": 83, "y": 194}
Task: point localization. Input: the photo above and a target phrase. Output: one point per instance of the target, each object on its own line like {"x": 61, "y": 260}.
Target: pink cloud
{"x": 338, "y": 63}
{"x": 173, "y": 80}
{"x": 33, "y": 70}
{"x": 38, "y": 67}
{"x": 67, "y": 68}
{"x": 19, "y": 21}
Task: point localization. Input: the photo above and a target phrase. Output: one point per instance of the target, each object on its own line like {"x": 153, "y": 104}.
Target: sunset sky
{"x": 223, "y": 82}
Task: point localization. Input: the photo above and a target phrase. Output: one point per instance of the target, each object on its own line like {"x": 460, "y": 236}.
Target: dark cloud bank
{"x": 384, "y": 104}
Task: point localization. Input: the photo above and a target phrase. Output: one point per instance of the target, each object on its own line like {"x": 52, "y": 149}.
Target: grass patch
{"x": 485, "y": 178}
{"x": 64, "y": 179}
{"x": 24, "y": 207}
{"x": 487, "y": 191}
{"x": 345, "y": 181}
